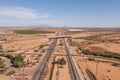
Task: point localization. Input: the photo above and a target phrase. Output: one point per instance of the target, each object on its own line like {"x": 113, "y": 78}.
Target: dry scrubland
{"x": 21, "y": 49}
{"x": 97, "y": 51}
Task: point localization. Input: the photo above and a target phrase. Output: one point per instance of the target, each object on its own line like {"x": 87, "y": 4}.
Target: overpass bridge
{"x": 58, "y": 37}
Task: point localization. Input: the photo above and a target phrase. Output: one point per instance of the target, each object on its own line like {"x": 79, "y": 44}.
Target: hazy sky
{"x": 71, "y": 13}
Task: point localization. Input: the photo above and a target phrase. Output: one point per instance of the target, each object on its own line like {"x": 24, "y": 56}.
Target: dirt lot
{"x": 19, "y": 43}
{"x": 102, "y": 47}
{"x": 98, "y": 41}
{"x": 105, "y": 71}
{"x": 95, "y": 40}
{"x": 23, "y": 44}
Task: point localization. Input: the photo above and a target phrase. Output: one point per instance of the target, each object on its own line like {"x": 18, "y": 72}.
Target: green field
{"x": 32, "y": 31}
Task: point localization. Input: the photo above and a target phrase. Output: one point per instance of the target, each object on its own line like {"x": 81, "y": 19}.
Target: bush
{"x": 10, "y": 73}
{"x": 18, "y": 64}
{"x": 115, "y": 64}
{"x": 43, "y": 51}
{"x": 90, "y": 59}
{"x": 10, "y": 51}
{"x": 18, "y": 61}
{"x": 2, "y": 71}
{"x": 2, "y": 65}
{"x": 39, "y": 55}
{"x": 1, "y": 61}
{"x": 90, "y": 74}
{"x": 106, "y": 54}
{"x": 61, "y": 66}
{"x": 9, "y": 56}
{"x": 36, "y": 50}
{"x": 27, "y": 62}
{"x": 1, "y": 48}
{"x": 4, "y": 39}
{"x": 79, "y": 48}
{"x": 62, "y": 61}
{"x": 2, "y": 54}
{"x": 41, "y": 46}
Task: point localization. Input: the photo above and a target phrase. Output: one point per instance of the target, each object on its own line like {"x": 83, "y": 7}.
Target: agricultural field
{"x": 31, "y": 31}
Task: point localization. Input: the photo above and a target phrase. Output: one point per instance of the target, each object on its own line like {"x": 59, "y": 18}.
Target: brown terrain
{"x": 33, "y": 48}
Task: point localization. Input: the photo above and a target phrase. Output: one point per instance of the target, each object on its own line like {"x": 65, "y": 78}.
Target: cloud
{"x": 21, "y": 13}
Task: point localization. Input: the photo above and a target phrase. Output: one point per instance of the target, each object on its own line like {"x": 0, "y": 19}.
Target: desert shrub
{"x": 106, "y": 54}
{"x": 39, "y": 55}
{"x": 2, "y": 71}
{"x": 36, "y": 50}
{"x": 4, "y": 39}
{"x": 18, "y": 64}
{"x": 9, "y": 56}
{"x": 1, "y": 48}
{"x": 108, "y": 70}
{"x": 43, "y": 51}
{"x": 2, "y": 54}
{"x": 90, "y": 74}
{"x": 90, "y": 59}
{"x": 60, "y": 44}
{"x": 61, "y": 66}
{"x": 62, "y": 61}
{"x": 10, "y": 73}
{"x": 37, "y": 58}
{"x": 79, "y": 48}
{"x": 115, "y": 64}
{"x": 1, "y": 61}
{"x": 46, "y": 73}
{"x": 10, "y": 51}
{"x": 2, "y": 65}
{"x": 18, "y": 61}
{"x": 41, "y": 46}
{"x": 27, "y": 62}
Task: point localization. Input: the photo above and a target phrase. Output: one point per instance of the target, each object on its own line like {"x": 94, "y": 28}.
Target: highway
{"x": 39, "y": 73}
{"x": 75, "y": 71}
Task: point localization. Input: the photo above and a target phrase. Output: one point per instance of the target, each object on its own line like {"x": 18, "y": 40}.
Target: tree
{"x": 18, "y": 61}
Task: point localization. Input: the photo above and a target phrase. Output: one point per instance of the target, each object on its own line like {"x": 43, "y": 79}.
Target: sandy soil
{"x": 23, "y": 44}
{"x": 60, "y": 73}
{"x": 105, "y": 70}
{"x": 102, "y": 47}
{"x": 3, "y": 77}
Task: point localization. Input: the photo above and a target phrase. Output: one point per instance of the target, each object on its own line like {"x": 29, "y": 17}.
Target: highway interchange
{"x": 74, "y": 69}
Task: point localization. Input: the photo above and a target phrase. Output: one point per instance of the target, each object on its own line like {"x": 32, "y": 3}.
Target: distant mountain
{"x": 31, "y": 26}
{"x": 44, "y": 26}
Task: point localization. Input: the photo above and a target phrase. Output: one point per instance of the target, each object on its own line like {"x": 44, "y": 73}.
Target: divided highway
{"x": 39, "y": 73}
{"x": 75, "y": 71}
